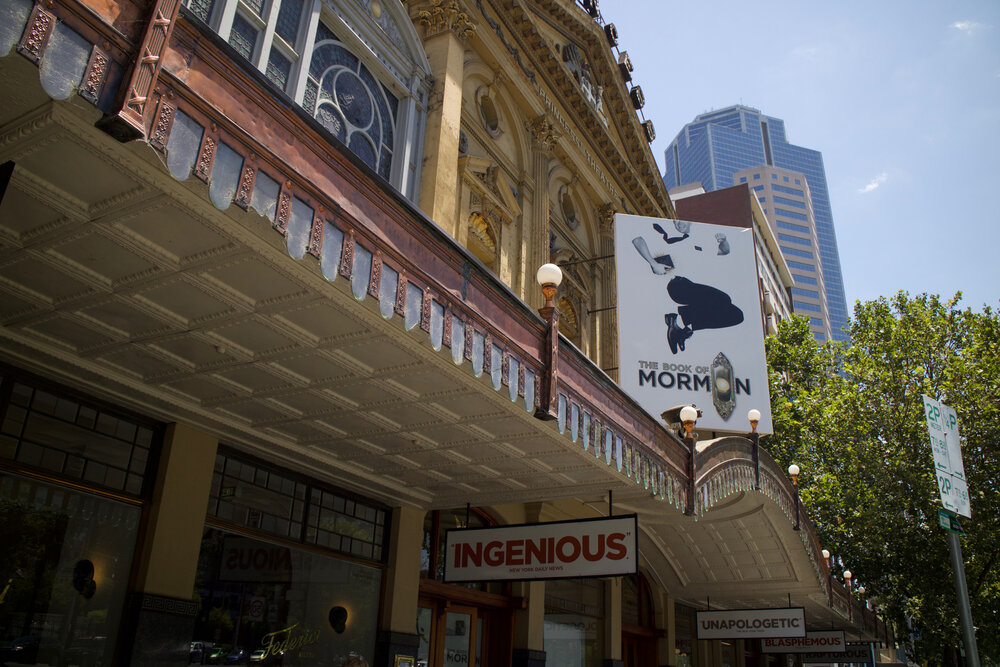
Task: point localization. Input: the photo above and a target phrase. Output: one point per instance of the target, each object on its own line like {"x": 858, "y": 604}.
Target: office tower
{"x": 716, "y": 145}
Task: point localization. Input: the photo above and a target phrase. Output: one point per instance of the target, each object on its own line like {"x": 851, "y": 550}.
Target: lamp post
{"x": 827, "y": 557}
{"x": 850, "y": 597}
{"x": 754, "y": 417}
{"x": 793, "y": 471}
{"x": 549, "y": 276}
{"x": 689, "y": 415}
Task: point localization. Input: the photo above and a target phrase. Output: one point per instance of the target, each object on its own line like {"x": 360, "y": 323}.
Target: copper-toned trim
{"x": 206, "y": 154}
{"x": 469, "y": 329}
{"x": 95, "y": 75}
{"x": 488, "y": 354}
{"x": 164, "y": 122}
{"x": 520, "y": 379}
{"x": 401, "y": 289}
{"x": 284, "y": 210}
{"x": 347, "y": 255}
{"x": 36, "y": 34}
{"x": 316, "y": 233}
{"x": 446, "y": 336}
{"x": 505, "y": 367}
{"x": 247, "y": 180}
{"x": 375, "y": 277}
{"x": 144, "y": 76}
{"x": 425, "y": 310}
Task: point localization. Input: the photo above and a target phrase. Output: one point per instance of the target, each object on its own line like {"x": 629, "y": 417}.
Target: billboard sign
{"x": 751, "y": 623}
{"x": 689, "y": 320}
{"x": 942, "y": 427}
{"x": 832, "y": 641}
{"x": 557, "y": 550}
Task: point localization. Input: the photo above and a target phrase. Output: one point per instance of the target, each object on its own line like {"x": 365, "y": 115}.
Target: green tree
{"x": 851, "y": 416}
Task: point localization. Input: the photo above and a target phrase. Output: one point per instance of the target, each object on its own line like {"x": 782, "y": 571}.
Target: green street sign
{"x": 950, "y": 522}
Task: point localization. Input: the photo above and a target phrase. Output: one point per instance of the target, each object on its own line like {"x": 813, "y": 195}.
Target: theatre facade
{"x": 271, "y": 333}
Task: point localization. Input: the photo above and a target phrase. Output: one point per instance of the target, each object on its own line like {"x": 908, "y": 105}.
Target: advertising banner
{"x": 942, "y": 427}
{"x": 689, "y": 320}
{"x": 587, "y": 548}
{"x": 751, "y": 623}
{"x": 831, "y": 641}
{"x": 854, "y": 653}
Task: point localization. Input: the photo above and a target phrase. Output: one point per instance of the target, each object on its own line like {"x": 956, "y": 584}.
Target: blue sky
{"x": 902, "y": 98}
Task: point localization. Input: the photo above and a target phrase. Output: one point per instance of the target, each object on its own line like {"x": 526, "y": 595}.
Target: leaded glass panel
{"x": 288, "y": 20}
{"x": 243, "y": 37}
{"x": 278, "y": 68}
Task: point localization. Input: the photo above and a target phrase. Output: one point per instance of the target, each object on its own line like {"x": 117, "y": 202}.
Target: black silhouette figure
{"x": 699, "y": 307}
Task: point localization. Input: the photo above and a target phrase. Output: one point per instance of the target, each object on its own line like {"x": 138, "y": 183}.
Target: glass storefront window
{"x": 683, "y": 644}
{"x": 278, "y": 604}
{"x": 574, "y": 622}
{"x": 66, "y": 557}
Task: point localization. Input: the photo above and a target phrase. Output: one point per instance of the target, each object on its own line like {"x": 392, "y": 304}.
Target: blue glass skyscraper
{"x": 716, "y": 145}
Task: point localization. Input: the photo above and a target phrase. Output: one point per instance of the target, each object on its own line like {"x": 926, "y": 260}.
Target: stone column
{"x": 543, "y": 139}
{"x": 168, "y": 560}
{"x": 666, "y": 620}
{"x": 402, "y": 587}
{"x": 446, "y": 29}
{"x": 607, "y": 330}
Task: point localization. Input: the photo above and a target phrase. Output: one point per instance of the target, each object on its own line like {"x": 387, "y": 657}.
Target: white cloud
{"x": 875, "y": 182}
{"x": 968, "y": 27}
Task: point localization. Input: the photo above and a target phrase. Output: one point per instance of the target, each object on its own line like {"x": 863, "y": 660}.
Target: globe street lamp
{"x": 793, "y": 471}
{"x": 689, "y": 415}
{"x": 754, "y": 417}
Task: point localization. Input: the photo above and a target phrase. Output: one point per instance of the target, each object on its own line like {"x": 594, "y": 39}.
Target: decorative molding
{"x": 284, "y": 209}
{"x": 488, "y": 354}
{"x": 520, "y": 379}
{"x": 316, "y": 233}
{"x": 606, "y": 219}
{"x": 95, "y": 75}
{"x": 147, "y": 69}
{"x": 543, "y": 133}
{"x": 347, "y": 255}
{"x": 247, "y": 179}
{"x": 206, "y": 154}
{"x": 425, "y": 310}
{"x": 441, "y": 16}
{"x": 164, "y": 121}
{"x": 505, "y": 367}
{"x": 375, "y": 277}
{"x": 446, "y": 335}
{"x": 469, "y": 329}
{"x": 36, "y": 34}
{"x": 401, "y": 289}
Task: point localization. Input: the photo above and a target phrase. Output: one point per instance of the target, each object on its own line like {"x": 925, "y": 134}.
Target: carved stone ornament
{"x": 606, "y": 216}
{"x": 36, "y": 34}
{"x": 543, "y": 133}
{"x": 444, "y": 15}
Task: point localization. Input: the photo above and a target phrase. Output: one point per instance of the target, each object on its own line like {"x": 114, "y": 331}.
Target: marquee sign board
{"x": 557, "y": 550}
{"x": 751, "y": 623}
{"x": 832, "y": 641}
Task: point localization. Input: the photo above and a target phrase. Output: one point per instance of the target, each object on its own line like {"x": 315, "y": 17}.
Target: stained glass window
{"x": 243, "y": 37}
{"x": 351, "y": 103}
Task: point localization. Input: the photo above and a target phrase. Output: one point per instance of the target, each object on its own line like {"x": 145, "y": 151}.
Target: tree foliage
{"x": 851, "y": 416}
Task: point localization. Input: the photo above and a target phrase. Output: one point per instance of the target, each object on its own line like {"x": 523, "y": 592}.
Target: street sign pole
{"x": 964, "y": 609}
{"x": 942, "y": 428}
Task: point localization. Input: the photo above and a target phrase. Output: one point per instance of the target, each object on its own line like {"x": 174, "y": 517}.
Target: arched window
{"x": 349, "y": 66}
{"x": 350, "y": 103}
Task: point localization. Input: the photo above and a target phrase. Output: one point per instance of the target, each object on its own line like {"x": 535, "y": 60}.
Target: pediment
{"x": 490, "y": 182}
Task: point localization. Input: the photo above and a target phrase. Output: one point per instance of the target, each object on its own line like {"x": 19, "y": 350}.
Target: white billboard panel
{"x": 584, "y": 548}
{"x": 689, "y": 320}
{"x": 751, "y": 623}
